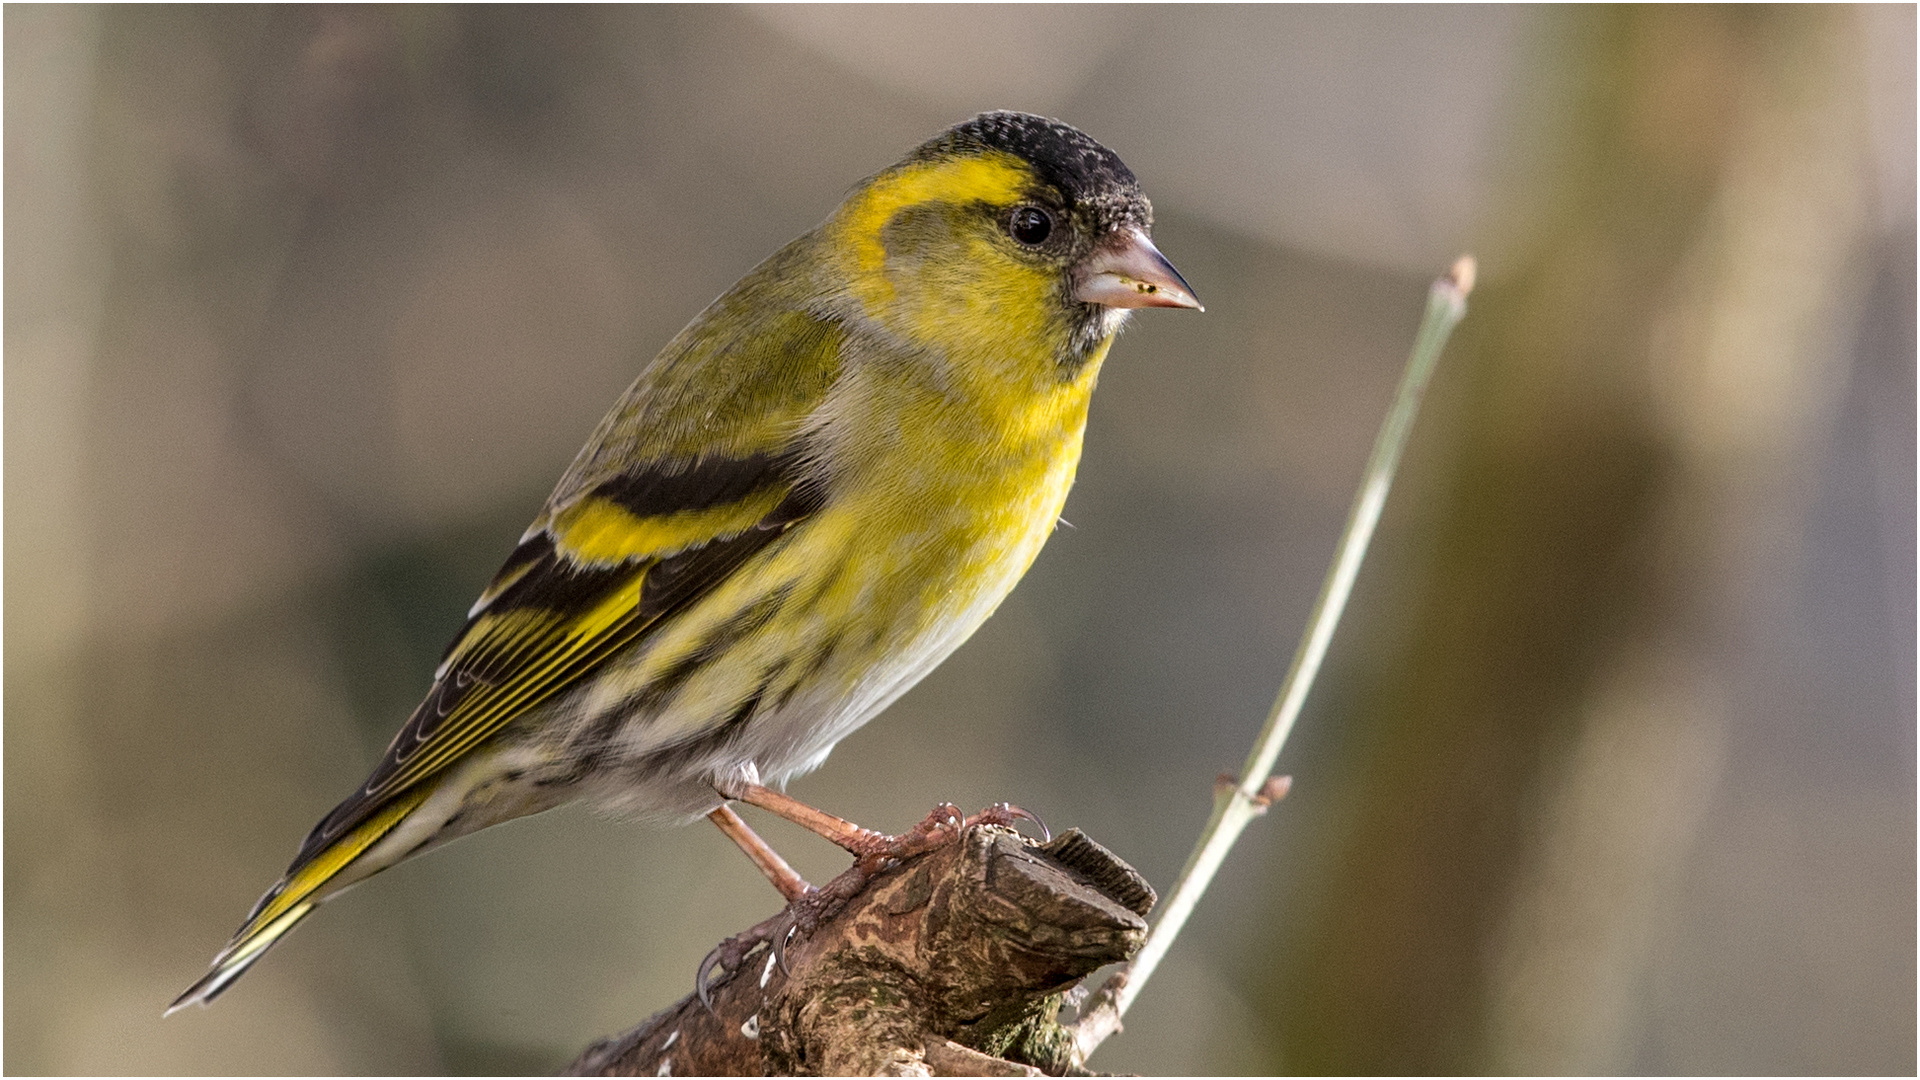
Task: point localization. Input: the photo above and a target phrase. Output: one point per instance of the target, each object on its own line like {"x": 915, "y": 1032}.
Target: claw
{"x": 1046, "y": 834}
{"x": 700, "y": 985}
{"x": 780, "y": 948}
{"x": 730, "y": 956}
{"x": 1006, "y": 814}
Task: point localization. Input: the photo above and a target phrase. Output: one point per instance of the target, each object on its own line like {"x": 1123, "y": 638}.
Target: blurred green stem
{"x": 1239, "y": 803}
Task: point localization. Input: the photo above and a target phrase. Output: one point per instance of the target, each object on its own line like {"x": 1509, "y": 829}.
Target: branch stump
{"x": 952, "y": 963}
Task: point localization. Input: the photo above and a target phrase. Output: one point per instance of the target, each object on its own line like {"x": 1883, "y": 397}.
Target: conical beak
{"x": 1129, "y": 272}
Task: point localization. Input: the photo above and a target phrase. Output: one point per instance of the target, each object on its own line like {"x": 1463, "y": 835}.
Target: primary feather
{"x": 813, "y": 495}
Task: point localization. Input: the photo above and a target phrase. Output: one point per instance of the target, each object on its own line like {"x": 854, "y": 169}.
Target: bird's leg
{"x": 837, "y": 829}
{"x": 784, "y": 877}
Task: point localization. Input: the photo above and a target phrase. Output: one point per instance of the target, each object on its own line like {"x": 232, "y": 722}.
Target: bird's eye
{"x": 1030, "y": 225}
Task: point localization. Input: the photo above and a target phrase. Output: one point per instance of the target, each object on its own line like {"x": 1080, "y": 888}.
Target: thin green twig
{"x": 1238, "y": 803}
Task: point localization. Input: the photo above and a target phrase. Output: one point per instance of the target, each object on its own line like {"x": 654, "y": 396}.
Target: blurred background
{"x": 1613, "y": 769}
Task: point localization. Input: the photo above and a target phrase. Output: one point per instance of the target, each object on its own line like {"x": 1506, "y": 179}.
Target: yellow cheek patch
{"x": 597, "y": 532}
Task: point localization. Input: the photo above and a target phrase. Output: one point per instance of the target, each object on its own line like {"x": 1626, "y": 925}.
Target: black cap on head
{"x": 1066, "y": 157}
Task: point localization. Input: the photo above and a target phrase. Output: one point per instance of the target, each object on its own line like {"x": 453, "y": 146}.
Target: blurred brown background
{"x": 1613, "y": 769}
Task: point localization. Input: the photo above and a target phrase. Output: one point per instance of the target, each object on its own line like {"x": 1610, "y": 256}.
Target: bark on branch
{"x": 950, "y": 964}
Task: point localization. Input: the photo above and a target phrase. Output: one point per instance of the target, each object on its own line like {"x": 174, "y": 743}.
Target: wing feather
{"x": 556, "y": 611}
{"x": 697, "y": 467}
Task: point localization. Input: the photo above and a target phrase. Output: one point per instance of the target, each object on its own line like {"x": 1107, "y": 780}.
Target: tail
{"x": 308, "y": 882}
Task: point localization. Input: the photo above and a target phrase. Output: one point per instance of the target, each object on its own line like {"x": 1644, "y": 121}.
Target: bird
{"x": 805, "y": 502}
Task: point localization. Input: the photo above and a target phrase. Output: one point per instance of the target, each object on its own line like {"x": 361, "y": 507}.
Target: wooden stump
{"x": 951, "y": 964}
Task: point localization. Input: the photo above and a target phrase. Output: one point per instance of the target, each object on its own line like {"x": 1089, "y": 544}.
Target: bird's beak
{"x": 1129, "y": 272}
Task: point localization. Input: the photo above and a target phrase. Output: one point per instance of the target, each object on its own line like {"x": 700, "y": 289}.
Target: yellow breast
{"x": 954, "y": 502}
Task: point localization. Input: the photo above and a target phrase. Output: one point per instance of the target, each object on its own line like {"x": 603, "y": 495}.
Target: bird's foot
{"x": 731, "y": 955}
{"x": 942, "y": 826}
{"x": 794, "y": 922}
{"x": 873, "y": 852}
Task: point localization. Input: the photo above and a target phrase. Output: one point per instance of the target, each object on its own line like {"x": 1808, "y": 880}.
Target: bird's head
{"x": 1010, "y": 234}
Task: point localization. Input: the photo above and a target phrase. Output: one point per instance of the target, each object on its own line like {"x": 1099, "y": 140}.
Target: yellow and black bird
{"x": 808, "y": 499}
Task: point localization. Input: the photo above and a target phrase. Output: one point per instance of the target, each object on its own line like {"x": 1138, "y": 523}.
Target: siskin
{"x": 810, "y": 498}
